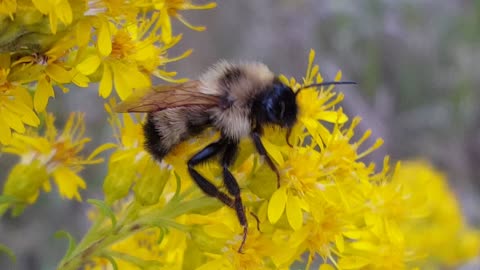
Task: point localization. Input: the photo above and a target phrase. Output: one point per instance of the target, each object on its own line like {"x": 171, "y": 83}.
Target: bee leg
{"x": 257, "y": 220}
{"x": 263, "y": 152}
{"x": 208, "y": 188}
{"x": 233, "y": 188}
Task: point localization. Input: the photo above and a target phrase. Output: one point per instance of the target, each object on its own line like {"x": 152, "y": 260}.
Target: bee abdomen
{"x": 153, "y": 140}
{"x": 165, "y": 129}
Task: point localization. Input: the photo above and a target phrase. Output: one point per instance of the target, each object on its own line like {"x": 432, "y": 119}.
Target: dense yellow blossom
{"x": 15, "y": 108}
{"x": 327, "y": 207}
{"x": 48, "y": 44}
{"x": 50, "y": 156}
{"x": 330, "y": 205}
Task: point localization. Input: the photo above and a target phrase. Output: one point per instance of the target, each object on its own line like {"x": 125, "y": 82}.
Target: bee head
{"x": 279, "y": 106}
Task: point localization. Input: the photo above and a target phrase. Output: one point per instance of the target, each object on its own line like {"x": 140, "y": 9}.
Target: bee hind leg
{"x": 230, "y": 149}
{"x": 208, "y": 188}
{"x": 231, "y": 184}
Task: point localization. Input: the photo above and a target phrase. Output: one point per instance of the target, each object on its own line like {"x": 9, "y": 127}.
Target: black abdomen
{"x": 153, "y": 140}
{"x": 165, "y": 129}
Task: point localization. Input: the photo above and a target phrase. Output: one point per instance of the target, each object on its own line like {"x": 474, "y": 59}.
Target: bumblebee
{"x": 238, "y": 100}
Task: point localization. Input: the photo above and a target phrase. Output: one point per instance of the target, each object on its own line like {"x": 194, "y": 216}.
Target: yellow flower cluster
{"x": 330, "y": 206}
{"x": 53, "y": 44}
{"x": 47, "y": 44}
{"x": 331, "y": 209}
{"x": 46, "y": 156}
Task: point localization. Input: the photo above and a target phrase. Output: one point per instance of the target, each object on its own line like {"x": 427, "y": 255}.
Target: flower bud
{"x": 118, "y": 180}
{"x": 151, "y": 183}
{"x": 25, "y": 181}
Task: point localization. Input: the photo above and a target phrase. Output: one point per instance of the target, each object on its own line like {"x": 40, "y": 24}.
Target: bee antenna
{"x": 324, "y": 84}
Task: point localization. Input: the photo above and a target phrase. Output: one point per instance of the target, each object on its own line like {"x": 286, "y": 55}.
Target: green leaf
{"x": 179, "y": 185}
{"x": 9, "y": 252}
{"x": 71, "y": 241}
{"x": 3, "y": 209}
{"x": 163, "y": 232}
{"x": 111, "y": 260}
{"x": 18, "y": 210}
{"x": 168, "y": 223}
{"x": 8, "y": 199}
{"x": 105, "y": 209}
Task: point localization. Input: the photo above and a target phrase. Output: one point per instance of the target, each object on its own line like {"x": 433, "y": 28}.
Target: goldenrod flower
{"x": 441, "y": 233}
{"x": 135, "y": 54}
{"x": 330, "y": 205}
{"x": 48, "y": 44}
{"x": 47, "y": 69}
{"x": 128, "y": 158}
{"x": 15, "y": 108}
{"x": 24, "y": 183}
{"x": 171, "y": 8}
{"x": 119, "y": 67}
{"x": 57, "y": 155}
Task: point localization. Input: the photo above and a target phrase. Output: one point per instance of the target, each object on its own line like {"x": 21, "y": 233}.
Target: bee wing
{"x": 164, "y": 97}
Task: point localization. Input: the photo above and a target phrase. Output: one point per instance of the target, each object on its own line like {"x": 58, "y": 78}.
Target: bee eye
{"x": 279, "y": 105}
{"x": 276, "y": 111}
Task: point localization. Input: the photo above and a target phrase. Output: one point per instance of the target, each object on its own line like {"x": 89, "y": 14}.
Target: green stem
{"x": 101, "y": 235}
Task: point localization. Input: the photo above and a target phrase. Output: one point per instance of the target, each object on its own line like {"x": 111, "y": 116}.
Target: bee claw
{"x": 245, "y": 231}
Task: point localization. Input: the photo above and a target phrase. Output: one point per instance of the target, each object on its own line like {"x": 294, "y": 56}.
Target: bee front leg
{"x": 263, "y": 152}
{"x": 208, "y": 188}
{"x": 231, "y": 184}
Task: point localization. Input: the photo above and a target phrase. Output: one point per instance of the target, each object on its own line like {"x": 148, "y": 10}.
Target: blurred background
{"x": 417, "y": 65}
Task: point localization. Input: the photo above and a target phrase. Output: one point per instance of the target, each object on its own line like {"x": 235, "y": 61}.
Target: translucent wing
{"x": 164, "y": 97}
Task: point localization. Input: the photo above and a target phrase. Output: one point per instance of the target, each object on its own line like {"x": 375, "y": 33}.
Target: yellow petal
{"x": 311, "y": 57}
{"x": 340, "y": 242}
{"x": 68, "y": 183}
{"x": 166, "y": 26}
{"x": 58, "y": 73}
{"x": 121, "y": 79}
{"x": 53, "y": 22}
{"x": 40, "y": 144}
{"x": 100, "y": 149}
{"x": 64, "y": 12}
{"x": 338, "y": 76}
{"x": 79, "y": 80}
{"x": 352, "y": 262}
{"x": 42, "y": 93}
{"x": 138, "y": 79}
{"x": 26, "y": 112}
{"x": 332, "y": 117}
{"x": 104, "y": 41}
{"x": 13, "y": 121}
{"x": 5, "y": 132}
{"x": 325, "y": 266}
{"x": 30, "y": 118}
{"x": 273, "y": 151}
{"x": 89, "y": 65}
{"x": 294, "y": 212}
{"x": 364, "y": 246}
{"x": 83, "y": 31}
{"x": 105, "y": 87}
{"x": 42, "y": 5}
{"x": 24, "y": 96}
{"x": 47, "y": 187}
{"x": 276, "y": 206}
